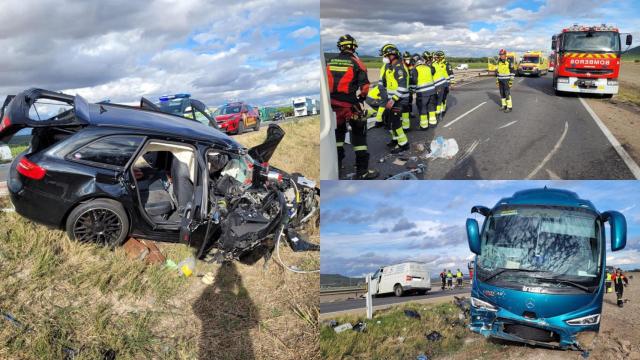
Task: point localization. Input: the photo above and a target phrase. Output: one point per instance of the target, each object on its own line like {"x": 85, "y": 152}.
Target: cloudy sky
{"x": 252, "y": 50}
{"x": 467, "y": 27}
{"x": 368, "y": 224}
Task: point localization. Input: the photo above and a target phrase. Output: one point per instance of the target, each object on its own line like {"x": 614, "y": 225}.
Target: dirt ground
{"x": 619, "y": 336}
{"x": 621, "y": 114}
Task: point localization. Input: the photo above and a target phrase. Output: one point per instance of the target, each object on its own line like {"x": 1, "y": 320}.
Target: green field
{"x": 393, "y": 335}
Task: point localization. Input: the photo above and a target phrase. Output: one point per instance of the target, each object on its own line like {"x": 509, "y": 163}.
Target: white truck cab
{"x": 401, "y": 278}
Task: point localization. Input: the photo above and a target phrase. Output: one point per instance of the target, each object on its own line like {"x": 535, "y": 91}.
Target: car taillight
{"x": 5, "y": 123}
{"x": 408, "y": 278}
{"x": 30, "y": 169}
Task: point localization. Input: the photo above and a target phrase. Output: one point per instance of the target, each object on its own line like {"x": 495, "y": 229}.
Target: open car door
{"x": 263, "y": 152}
{"x": 195, "y": 212}
{"x": 200, "y": 113}
{"x": 35, "y": 108}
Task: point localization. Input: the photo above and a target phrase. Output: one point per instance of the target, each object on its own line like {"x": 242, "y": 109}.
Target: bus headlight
{"x": 612, "y": 81}
{"x": 483, "y": 305}
{"x": 563, "y": 80}
{"x": 586, "y": 320}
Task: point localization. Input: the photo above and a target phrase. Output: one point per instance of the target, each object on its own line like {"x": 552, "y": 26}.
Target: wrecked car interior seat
{"x": 155, "y": 197}
{"x": 182, "y": 185}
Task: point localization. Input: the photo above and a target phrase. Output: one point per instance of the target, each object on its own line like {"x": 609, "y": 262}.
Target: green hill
{"x": 337, "y": 280}
{"x": 632, "y": 54}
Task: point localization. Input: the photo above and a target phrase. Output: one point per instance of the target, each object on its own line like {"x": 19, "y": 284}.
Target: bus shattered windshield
{"x": 551, "y": 248}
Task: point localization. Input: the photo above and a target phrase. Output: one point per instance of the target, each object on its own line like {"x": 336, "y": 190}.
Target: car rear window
{"x": 114, "y": 151}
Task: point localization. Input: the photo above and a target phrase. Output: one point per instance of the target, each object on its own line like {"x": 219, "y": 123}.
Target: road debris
{"x": 360, "y": 327}
{"x": 442, "y": 148}
{"x": 344, "y": 327}
{"x": 412, "y": 314}
{"x": 422, "y": 357}
{"x": 410, "y": 174}
{"x": 143, "y": 250}
{"x": 399, "y": 162}
{"x": 187, "y": 266}
{"x": 434, "y": 336}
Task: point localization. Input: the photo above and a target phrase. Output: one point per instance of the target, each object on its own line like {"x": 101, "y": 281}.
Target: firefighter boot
{"x": 362, "y": 167}
{"x": 509, "y": 105}
{"x": 504, "y": 104}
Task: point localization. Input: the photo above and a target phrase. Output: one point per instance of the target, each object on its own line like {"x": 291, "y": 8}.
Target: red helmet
{"x": 502, "y": 52}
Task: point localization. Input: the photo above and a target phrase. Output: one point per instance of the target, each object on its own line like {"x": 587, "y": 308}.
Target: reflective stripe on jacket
{"x": 504, "y": 70}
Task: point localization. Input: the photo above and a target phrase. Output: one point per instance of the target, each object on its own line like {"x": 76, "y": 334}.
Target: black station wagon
{"x": 104, "y": 172}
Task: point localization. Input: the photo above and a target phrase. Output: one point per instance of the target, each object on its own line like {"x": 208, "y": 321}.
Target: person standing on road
{"x": 440, "y": 78}
{"x": 619, "y": 282}
{"x": 449, "y": 280}
{"x": 443, "y": 277}
{"x": 504, "y": 80}
{"x": 406, "y": 111}
{"x": 459, "y": 277}
{"x": 425, "y": 91}
{"x": 349, "y": 85}
{"x": 450, "y": 79}
{"x": 395, "y": 81}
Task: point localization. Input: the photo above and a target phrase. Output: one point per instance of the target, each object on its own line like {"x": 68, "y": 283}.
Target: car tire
{"x": 240, "y": 129}
{"x": 256, "y": 127}
{"x": 398, "y": 291}
{"x": 113, "y": 222}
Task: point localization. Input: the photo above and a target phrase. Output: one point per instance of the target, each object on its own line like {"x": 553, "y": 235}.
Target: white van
{"x": 462, "y": 67}
{"x": 401, "y": 278}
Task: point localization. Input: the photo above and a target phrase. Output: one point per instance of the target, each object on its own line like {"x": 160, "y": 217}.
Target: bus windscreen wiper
{"x": 502, "y": 270}
{"x": 567, "y": 282}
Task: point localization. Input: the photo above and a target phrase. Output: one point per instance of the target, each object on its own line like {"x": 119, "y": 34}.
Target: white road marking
{"x": 467, "y": 153}
{"x": 463, "y": 115}
{"x": 552, "y": 175}
{"x": 628, "y": 160}
{"x": 551, "y": 153}
{"x": 519, "y": 81}
{"x": 507, "y": 124}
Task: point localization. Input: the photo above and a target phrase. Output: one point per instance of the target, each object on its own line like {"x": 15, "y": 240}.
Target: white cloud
{"x": 304, "y": 33}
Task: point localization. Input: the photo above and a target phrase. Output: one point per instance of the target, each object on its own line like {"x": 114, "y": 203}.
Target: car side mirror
{"x": 473, "y": 235}
{"x": 618, "y": 225}
{"x": 553, "y": 42}
{"x": 629, "y": 40}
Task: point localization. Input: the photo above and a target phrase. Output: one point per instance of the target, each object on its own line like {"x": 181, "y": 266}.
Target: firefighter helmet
{"x": 347, "y": 42}
{"x": 427, "y": 55}
{"x": 416, "y": 58}
{"x": 439, "y": 54}
{"x": 389, "y": 49}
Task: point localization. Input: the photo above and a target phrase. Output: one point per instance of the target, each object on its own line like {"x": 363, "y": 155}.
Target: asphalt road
{"x": 544, "y": 137}
{"x": 386, "y": 300}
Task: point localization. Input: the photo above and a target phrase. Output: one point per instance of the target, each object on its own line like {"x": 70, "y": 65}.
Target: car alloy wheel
{"x": 100, "y": 226}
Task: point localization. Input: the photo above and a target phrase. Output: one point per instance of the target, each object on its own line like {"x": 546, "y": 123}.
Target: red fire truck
{"x": 587, "y": 59}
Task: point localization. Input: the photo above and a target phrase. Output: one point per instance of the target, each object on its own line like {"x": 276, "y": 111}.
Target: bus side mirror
{"x": 473, "y": 235}
{"x": 483, "y": 210}
{"x": 618, "y": 225}
{"x": 553, "y": 42}
{"x": 629, "y": 40}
